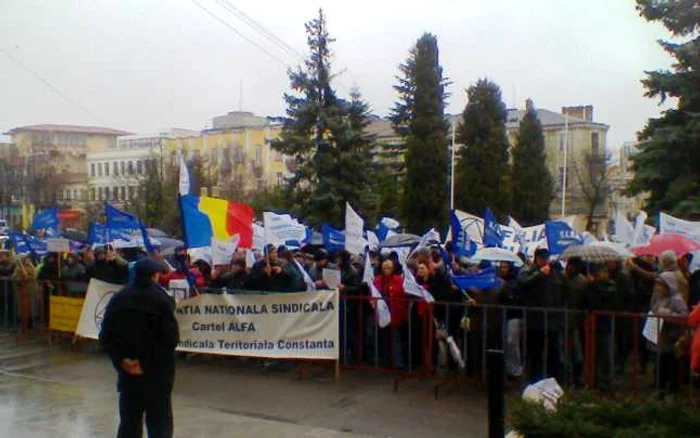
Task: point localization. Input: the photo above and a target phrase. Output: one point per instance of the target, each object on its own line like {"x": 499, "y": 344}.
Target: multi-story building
{"x": 237, "y": 154}
{"x": 115, "y": 174}
{"x": 586, "y": 139}
{"x": 54, "y": 161}
{"x": 620, "y": 174}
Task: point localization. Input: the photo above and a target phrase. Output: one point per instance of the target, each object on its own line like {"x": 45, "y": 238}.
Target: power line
{"x": 44, "y": 81}
{"x": 220, "y": 20}
{"x": 250, "y": 21}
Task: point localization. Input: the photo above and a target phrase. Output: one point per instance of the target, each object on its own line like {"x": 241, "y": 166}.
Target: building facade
{"x": 54, "y": 162}
{"x": 620, "y": 174}
{"x": 236, "y": 154}
{"x": 572, "y": 138}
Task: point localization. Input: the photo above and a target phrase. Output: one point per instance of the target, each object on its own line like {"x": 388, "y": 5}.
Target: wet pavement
{"x": 69, "y": 392}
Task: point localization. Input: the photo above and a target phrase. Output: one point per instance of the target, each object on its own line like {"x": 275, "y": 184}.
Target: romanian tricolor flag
{"x": 204, "y": 218}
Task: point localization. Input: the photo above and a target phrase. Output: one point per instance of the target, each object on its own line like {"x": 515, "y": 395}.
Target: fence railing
{"x": 597, "y": 349}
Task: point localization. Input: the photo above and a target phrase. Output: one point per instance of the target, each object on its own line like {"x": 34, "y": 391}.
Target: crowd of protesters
{"x": 537, "y": 313}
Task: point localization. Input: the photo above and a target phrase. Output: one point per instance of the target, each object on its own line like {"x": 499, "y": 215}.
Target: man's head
{"x": 100, "y": 253}
{"x": 574, "y": 266}
{"x": 541, "y": 257}
{"x": 342, "y": 259}
{"x": 238, "y": 266}
{"x": 147, "y": 271}
{"x": 271, "y": 252}
{"x": 321, "y": 258}
{"x": 599, "y": 271}
{"x": 504, "y": 269}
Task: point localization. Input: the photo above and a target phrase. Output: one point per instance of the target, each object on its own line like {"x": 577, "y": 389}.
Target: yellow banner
{"x": 64, "y": 313}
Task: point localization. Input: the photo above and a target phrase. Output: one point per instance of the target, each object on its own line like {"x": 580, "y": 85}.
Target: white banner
{"x": 96, "y": 299}
{"x": 281, "y": 228}
{"x": 354, "y": 242}
{"x": 624, "y": 231}
{"x": 294, "y": 325}
{"x": 670, "y": 224}
{"x": 57, "y": 245}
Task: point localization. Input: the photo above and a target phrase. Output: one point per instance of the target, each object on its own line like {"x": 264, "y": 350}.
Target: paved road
{"x": 61, "y": 392}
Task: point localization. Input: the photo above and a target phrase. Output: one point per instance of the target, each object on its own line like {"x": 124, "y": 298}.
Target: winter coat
{"x": 139, "y": 323}
{"x": 392, "y": 290}
{"x": 673, "y": 305}
{"x": 109, "y": 271}
{"x": 601, "y": 295}
{"x": 539, "y": 290}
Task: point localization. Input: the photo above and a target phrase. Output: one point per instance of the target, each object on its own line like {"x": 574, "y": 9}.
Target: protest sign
{"x": 332, "y": 278}
{"x": 222, "y": 251}
{"x": 96, "y": 299}
{"x": 295, "y": 326}
{"x": 64, "y": 313}
{"x": 652, "y": 328}
{"x": 57, "y": 245}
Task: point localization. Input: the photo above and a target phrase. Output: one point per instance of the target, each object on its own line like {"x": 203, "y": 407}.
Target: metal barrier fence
{"x": 448, "y": 340}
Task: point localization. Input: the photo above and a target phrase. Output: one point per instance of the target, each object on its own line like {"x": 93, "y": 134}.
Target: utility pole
{"x": 566, "y": 152}
{"x": 452, "y": 166}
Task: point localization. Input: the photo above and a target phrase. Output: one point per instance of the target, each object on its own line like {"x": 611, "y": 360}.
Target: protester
{"x": 140, "y": 333}
{"x": 321, "y": 262}
{"x": 108, "y": 267}
{"x": 576, "y": 322}
{"x": 667, "y": 303}
{"x": 600, "y": 295}
{"x": 25, "y": 280}
{"x": 542, "y": 285}
{"x": 694, "y": 323}
{"x": 514, "y": 319}
{"x": 390, "y": 285}
{"x": 236, "y": 278}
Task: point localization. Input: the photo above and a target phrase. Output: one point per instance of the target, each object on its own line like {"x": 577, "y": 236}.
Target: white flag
{"x": 354, "y": 242}
{"x": 281, "y": 228}
{"x": 222, "y": 251}
{"x": 624, "y": 232}
{"x": 184, "y": 188}
{"x": 310, "y": 285}
{"x": 411, "y": 286}
{"x": 670, "y": 224}
{"x": 641, "y": 230}
{"x": 249, "y": 258}
{"x": 372, "y": 241}
{"x": 426, "y": 239}
{"x": 380, "y": 306}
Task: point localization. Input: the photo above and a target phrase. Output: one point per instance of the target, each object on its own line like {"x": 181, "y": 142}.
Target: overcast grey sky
{"x": 144, "y": 65}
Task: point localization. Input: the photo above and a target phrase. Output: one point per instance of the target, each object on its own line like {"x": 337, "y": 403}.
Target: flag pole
{"x": 452, "y": 166}
{"x": 566, "y": 152}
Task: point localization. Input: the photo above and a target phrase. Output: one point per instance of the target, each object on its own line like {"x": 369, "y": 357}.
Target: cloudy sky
{"x": 145, "y": 65}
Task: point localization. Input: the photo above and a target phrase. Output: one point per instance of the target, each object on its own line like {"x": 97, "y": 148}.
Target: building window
{"x": 123, "y": 192}
{"x": 258, "y": 155}
{"x": 75, "y": 195}
{"x": 131, "y": 167}
{"x": 115, "y": 168}
{"x": 99, "y": 169}
{"x": 139, "y": 167}
{"x": 106, "y": 169}
{"x": 115, "y": 193}
{"x": 100, "y": 194}
{"x": 92, "y": 193}
{"x": 131, "y": 193}
{"x": 562, "y": 142}
{"x": 595, "y": 143}
{"x": 67, "y": 197}
{"x": 92, "y": 169}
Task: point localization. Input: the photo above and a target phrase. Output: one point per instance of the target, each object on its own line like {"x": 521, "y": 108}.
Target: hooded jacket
{"x": 139, "y": 323}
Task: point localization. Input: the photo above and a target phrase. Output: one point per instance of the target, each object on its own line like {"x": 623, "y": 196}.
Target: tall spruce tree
{"x": 532, "y": 182}
{"x": 419, "y": 116}
{"x": 325, "y": 136}
{"x": 483, "y": 171}
{"x": 668, "y": 164}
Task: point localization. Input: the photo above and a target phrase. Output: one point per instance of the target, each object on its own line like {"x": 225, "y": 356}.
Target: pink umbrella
{"x": 667, "y": 242}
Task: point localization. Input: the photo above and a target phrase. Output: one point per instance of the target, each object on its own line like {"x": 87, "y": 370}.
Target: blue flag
{"x": 333, "y": 240}
{"x": 484, "y": 279}
{"x": 560, "y": 236}
{"x": 462, "y": 245}
{"x": 97, "y": 233}
{"x": 493, "y": 235}
{"x": 46, "y": 220}
{"x": 118, "y": 220}
{"x": 385, "y": 225}
{"x": 26, "y": 244}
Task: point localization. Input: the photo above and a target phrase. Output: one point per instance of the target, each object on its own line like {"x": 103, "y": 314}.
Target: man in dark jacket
{"x": 543, "y": 286}
{"x": 107, "y": 267}
{"x": 140, "y": 334}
